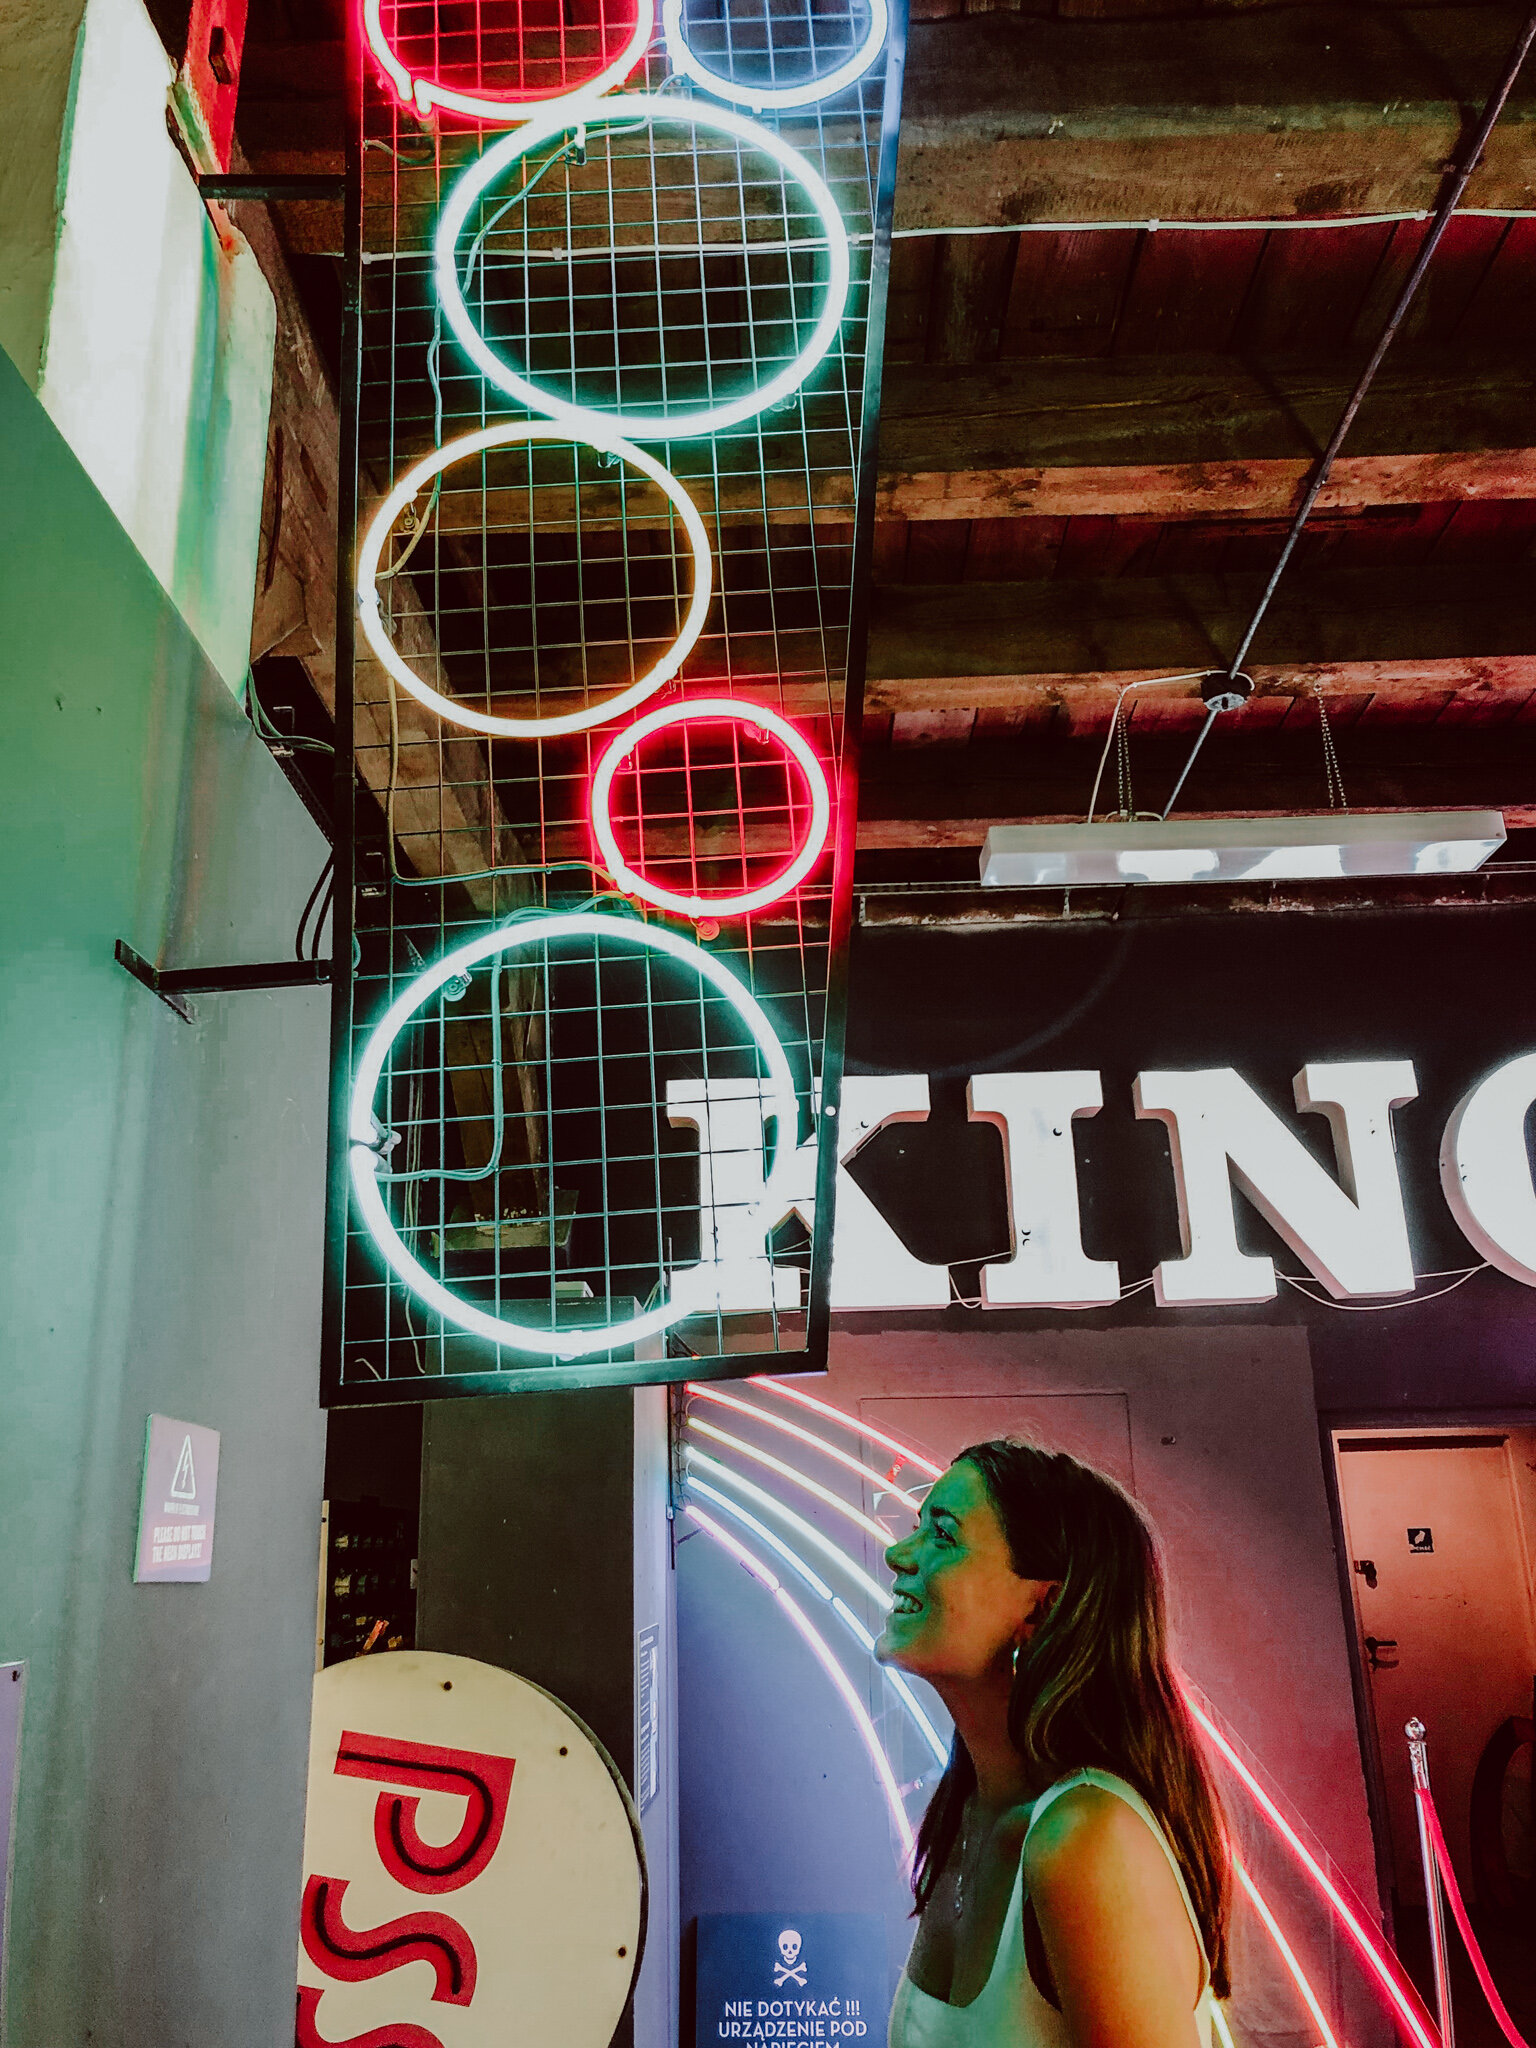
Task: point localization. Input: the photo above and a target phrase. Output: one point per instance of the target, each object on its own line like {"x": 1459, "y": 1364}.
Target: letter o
{"x": 1485, "y": 1169}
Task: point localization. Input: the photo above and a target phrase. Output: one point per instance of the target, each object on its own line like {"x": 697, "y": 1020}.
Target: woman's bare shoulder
{"x": 1089, "y": 1835}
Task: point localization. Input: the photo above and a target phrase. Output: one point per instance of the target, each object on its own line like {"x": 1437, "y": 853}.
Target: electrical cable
{"x": 311, "y": 900}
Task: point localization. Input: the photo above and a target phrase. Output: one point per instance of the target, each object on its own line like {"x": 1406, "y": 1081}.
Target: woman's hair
{"x": 1093, "y": 1684}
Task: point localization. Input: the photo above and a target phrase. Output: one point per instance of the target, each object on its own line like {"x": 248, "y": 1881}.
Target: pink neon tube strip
{"x": 1507, "y": 2026}
{"x": 846, "y": 1421}
{"x": 822, "y": 1493}
{"x": 806, "y": 1436}
{"x": 829, "y": 1664}
{"x": 1385, "y": 1970}
{"x": 1287, "y": 1953}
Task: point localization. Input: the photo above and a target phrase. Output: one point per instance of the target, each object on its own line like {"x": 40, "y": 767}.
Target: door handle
{"x": 1374, "y": 1646}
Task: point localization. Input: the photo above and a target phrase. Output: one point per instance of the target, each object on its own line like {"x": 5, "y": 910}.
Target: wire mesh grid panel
{"x": 613, "y": 409}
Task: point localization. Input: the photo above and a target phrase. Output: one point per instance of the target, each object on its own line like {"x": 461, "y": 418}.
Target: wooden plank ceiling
{"x": 1095, "y": 428}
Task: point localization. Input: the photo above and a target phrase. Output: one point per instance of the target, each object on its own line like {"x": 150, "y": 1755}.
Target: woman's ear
{"x": 1048, "y": 1595}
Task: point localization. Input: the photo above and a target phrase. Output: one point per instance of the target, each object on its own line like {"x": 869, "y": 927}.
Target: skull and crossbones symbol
{"x": 789, "y": 1969}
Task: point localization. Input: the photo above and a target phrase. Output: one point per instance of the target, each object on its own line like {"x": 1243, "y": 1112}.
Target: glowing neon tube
{"x": 806, "y": 1436}
{"x": 1382, "y": 1965}
{"x": 759, "y": 97}
{"x": 829, "y": 1664}
{"x": 512, "y": 433}
{"x": 806, "y": 1531}
{"x": 839, "y": 1606}
{"x": 624, "y": 110}
{"x": 1287, "y": 1954}
{"x": 426, "y": 93}
{"x": 783, "y": 1106}
{"x": 687, "y": 711}
{"x": 823, "y": 1493}
{"x": 847, "y": 1421}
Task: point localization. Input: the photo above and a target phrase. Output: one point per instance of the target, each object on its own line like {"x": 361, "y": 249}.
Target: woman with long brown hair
{"x": 1071, "y": 1875}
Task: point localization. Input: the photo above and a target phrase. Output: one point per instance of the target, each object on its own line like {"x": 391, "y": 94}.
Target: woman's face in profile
{"x": 960, "y": 1610}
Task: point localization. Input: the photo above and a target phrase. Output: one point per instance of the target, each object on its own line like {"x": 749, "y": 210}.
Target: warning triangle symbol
{"x": 183, "y": 1479}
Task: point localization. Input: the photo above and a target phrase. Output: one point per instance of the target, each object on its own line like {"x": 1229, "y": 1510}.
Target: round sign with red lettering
{"x": 473, "y": 1872}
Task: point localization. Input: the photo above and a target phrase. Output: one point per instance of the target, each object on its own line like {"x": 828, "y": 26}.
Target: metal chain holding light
{"x": 624, "y": 110}
{"x": 507, "y": 435}
{"x": 366, "y": 1130}
{"x": 761, "y": 97}
{"x": 697, "y": 710}
{"x": 414, "y": 90}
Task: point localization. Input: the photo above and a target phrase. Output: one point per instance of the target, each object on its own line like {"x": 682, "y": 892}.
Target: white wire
{"x": 1376, "y": 1308}
{"x": 1197, "y": 675}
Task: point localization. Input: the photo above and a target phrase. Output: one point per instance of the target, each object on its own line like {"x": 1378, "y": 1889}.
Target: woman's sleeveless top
{"x": 1009, "y": 2011}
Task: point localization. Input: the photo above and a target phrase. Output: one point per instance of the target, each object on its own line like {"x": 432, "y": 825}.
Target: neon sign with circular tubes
{"x": 761, "y": 97}
{"x": 684, "y": 712}
{"x": 507, "y": 435}
{"x": 782, "y": 1105}
{"x": 623, "y": 110}
{"x": 424, "y": 94}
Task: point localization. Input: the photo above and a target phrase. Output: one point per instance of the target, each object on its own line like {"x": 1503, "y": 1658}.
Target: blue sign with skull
{"x": 818, "y": 1977}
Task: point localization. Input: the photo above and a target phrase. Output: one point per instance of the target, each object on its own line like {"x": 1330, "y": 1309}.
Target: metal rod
{"x": 344, "y": 785}
{"x": 189, "y": 981}
{"x": 1211, "y": 717}
{"x": 1418, "y": 1757}
{"x": 277, "y": 186}
{"x": 1453, "y": 191}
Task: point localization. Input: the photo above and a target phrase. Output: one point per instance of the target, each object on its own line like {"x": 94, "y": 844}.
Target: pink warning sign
{"x": 181, "y": 1481}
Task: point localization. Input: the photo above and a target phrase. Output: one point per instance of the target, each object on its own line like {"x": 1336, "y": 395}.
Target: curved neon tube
{"x": 624, "y": 109}
{"x": 1387, "y": 1973}
{"x": 829, "y": 1664}
{"x": 847, "y": 1421}
{"x": 759, "y": 97}
{"x": 822, "y": 1493}
{"x": 426, "y": 93}
{"x": 839, "y": 1606}
{"x": 783, "y": 1106}
{"x": 805, "y": 1436}
{"x": 510, "y": 434}
{"x": 795, "y": 745}
{"x": 1287, "y": 1953}
{"x": 806, "y": 1531}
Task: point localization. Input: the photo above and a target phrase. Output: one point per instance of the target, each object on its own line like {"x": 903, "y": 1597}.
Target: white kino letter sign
{"x": 1354, "y": 1238}
{"x": 1485, "y": 1169}
{"x": 871, "y": 1267}
{"x": 1048, "y": 1268}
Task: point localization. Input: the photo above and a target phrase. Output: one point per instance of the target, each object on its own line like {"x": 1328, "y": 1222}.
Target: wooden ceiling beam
{"x": 1197, "y": 437}
{"x": 1462, "y": 632}
{"x": 1283, "y": 114}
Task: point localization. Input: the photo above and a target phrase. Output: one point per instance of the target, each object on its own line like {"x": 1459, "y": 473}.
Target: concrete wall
{"x": 148, "y": 340}
{"x": 160, "y": 1250}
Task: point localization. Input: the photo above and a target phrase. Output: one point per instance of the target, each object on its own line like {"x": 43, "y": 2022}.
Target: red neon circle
{"x": 796, "y": 747}
{"x": 484, "y": 103}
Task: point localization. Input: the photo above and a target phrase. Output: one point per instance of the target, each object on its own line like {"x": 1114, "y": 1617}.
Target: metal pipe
{"x": 1211, "y": 717}
{"x": 273, "y": 186}
{"x": 1418, "y": 1757}
{"x": 1453, "y": 191}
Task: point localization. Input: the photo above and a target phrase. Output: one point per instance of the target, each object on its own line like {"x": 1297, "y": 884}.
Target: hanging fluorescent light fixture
{"x": 1239, "y": 849}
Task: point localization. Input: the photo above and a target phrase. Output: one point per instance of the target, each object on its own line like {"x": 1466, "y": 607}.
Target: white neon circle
{"x": 725, "y": 904}
{"x": 759, "y": 97}
{"x": 782, "y": 1105}
{"x": 623, "y": 109}
{"x": 509, "y": 434}
{"x": 427, "y": 93}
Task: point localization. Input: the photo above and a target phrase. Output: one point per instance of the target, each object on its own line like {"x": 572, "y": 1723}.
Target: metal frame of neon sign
{"x": 623, "y": 110}
{"x": 685, "y": 711}
{"x": 506, "y": 435}
{"x": 364, "y": 1130}
{"x": 426, "y": 93}
{"x": 760, "y": 98}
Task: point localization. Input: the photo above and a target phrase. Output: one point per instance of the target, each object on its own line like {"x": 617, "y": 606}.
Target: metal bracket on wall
{"x": 174, "y": 984}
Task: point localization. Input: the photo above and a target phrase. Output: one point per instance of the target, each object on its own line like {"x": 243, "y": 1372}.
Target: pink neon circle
{"x": 794, "y": 744}
{"x": 510, "y": 107}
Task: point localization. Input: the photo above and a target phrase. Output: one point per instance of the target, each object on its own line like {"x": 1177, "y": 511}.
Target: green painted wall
{"x": 160, "y": 1248}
